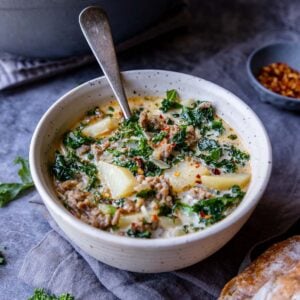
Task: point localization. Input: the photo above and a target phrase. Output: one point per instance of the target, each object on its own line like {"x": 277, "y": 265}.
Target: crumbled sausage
{"x": 99, "y": 149}
{"x": 159, "y": 184}
{"x": 199, "y": 193}
{"x": 66, "y": 185}
{"x": 151, "y": 122}
{"x": 83, "y": 149}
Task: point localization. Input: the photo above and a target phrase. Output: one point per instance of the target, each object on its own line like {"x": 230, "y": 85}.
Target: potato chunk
{"x": 185, "y": 174}
{"x": 100, "y": 127}
{"x": 225, "y": 182}
{"x": 119, "y": 180}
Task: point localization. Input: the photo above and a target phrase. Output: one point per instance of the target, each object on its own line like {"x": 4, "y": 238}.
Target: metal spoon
{"x": 96, "y": 29}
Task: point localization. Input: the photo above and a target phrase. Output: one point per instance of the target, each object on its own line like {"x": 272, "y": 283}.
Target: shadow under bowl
{"x": 288, "y": 53}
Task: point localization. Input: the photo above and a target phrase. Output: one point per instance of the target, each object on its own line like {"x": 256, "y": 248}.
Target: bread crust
{"x": 278, "y": 267}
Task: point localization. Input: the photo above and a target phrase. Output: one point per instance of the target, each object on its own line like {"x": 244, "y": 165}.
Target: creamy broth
{"x": 174, "y": 168}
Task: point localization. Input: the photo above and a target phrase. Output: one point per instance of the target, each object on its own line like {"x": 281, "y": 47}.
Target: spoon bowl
{"x": 96, "y": 29}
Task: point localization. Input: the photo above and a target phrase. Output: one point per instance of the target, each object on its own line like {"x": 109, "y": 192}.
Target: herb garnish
{"x": 75, "y": 139}
{"x": 170, "y": 102}
{"x": 40, "y": 294}
{"x": 10, "y": 191}
{"x": 139, "y": 234}
{"x": 159, "y": 137}
{"x": 146, "y": 193}
{"x": 68, "y": 166}
{"x": 212, "y": 153}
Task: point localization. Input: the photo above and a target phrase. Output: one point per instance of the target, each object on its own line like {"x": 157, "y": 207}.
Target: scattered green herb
{"x": 218, "y": 126}
{"x": 139, "y": 234}
{"x": 67, "y": 167}
{"x": 75, "y": 139}
{"x": 159, "y": 137}
{"x": 146, "y": 193}
{"x": 170, "y": 102}
{"x": 41, "y": 294}
{"x": 215, "y": 208}
{"x": 10, "y": 191}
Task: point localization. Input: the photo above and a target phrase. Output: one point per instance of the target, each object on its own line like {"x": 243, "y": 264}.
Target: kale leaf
{"x": 139, "y": 234}
{"x": 197, "y": 116}
{"x": 66, "y": 167}
{"x": 159, "y": 137}
{"x": 212, "y": 152}
{"x": 170, "y": 102}
{"x": 216, "y": 207}
{"x": 10, "y": 191}
{"x": 75, "y": 139}
{"x": 146, "y": 193}
{"x": 40, "y": 294}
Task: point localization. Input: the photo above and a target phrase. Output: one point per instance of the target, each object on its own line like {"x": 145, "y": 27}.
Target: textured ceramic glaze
{"x": 158, "y": 255}
{"x": 279, "y": 52}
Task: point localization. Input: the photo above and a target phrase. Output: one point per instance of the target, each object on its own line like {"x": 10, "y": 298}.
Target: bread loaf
{"x": 275, "y": 275}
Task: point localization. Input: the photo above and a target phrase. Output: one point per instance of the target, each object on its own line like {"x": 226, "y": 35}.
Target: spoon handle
{"x": 96, "y": 29}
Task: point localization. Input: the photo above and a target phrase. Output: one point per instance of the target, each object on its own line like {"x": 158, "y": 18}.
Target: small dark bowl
{"x": 288, "y": 53}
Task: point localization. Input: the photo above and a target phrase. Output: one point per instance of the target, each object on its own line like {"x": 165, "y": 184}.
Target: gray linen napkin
{"x": 55, "y": 258}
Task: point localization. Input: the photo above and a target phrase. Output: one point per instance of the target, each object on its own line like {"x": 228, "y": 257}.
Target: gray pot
{"x": 49, "y": 28}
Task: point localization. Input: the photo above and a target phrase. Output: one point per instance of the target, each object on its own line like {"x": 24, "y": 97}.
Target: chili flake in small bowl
{"x": 273, "y": 72}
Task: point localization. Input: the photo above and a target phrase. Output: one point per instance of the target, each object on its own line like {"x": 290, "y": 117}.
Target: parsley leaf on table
{"x": 40, "y": 294}
{"x": 10, "y": 191}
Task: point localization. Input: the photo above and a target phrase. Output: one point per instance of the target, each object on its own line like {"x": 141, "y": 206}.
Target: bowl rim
{"x": 254, "y": 80}
{"x": 149, "y": 244}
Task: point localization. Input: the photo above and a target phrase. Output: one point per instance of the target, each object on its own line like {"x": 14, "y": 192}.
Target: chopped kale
{"x": 110, "y": 108}
{"x": 197, "y": 116}
{"x": 212, "y": 152}
{"x": 146, "y": 193}
{"x": 10, "y": 191}
{"x": 180, "y": 139}
{"x": 150, "y": 169}
{"x": 41, "y": 294}
{"x": 130, "y": 164}
{"x": 139, "y": 234}
{"x": 170, "y": 102}
{"x": 159, "y": 137}
{"x": 63, "y": 167}
{"x": 142, "y": 150}
{"x": 214, "y": 209}
{"x": 128, "y": 129}
{"x": 75, "y": 139}
{"x": 218, "y": 126}
{"x": 66, "y": 167}
{"x": 119, "y": 202}
{"x": 206, "y": 144}
{"x": 165, "y": 210}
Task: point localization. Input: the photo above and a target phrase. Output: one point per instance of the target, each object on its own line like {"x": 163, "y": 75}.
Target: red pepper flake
{"x": 197, "y": 165}
{"x": 161, "y": 116}
{"x": 198, "y": 181}
{"x": 154, "y": 218}
{"x": 198, "y": 176}
{"x": 202, "y": 214}
{"x": 216, "y": 171}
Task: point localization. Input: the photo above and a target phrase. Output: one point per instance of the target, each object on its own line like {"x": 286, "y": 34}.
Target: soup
{"x": 174, "y": 168}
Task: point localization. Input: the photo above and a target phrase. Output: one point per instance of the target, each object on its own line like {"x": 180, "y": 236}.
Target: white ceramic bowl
{"x": 154, "y": 255}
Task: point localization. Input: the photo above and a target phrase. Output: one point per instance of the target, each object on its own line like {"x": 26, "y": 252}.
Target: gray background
{"x": 215, "y": 47}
